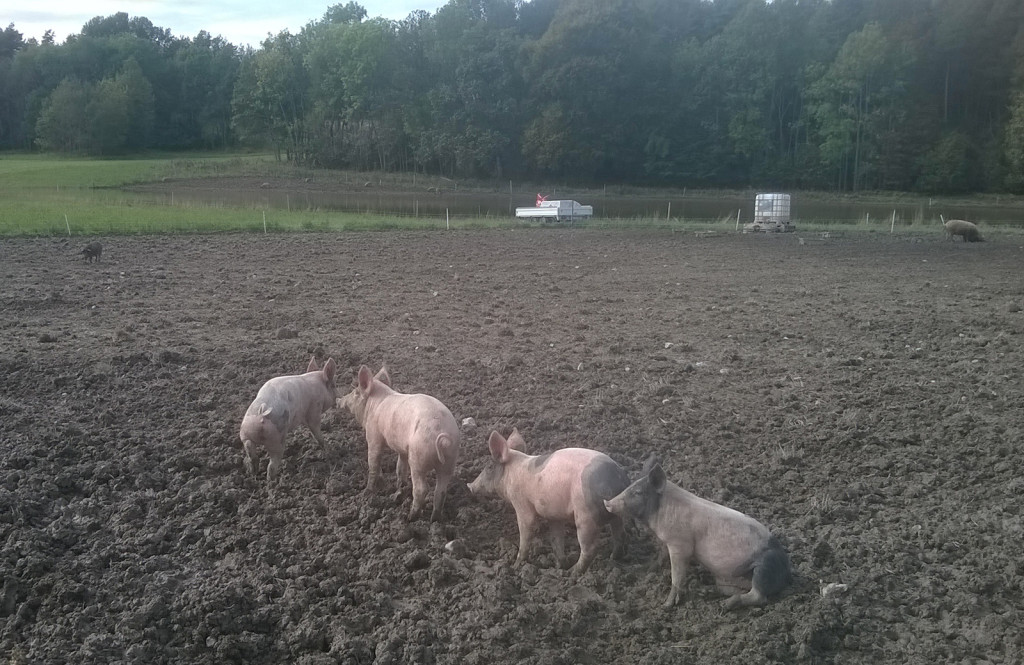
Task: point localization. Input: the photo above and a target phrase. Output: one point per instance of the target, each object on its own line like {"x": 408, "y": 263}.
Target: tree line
{"x": 841, "y": 95}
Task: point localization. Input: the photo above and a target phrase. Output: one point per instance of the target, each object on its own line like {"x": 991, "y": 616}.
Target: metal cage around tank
{"x": 771, "y": 213}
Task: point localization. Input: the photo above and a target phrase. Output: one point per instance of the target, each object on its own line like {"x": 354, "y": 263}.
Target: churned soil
{"x": 860, "y": 395}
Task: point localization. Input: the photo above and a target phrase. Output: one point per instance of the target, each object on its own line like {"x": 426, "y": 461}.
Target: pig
{"x": 748, "y": 562}
{"x": 92, "y": 252}
{"x": 565, "y": 486}
{"x": 282, "y": 404}
{"x": 966, "y": 230}
{"x": 418, "y": 427}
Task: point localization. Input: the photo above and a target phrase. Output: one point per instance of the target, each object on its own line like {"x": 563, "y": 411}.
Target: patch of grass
{"x": 51, "y": 195}
{"x": 47, "y": 195}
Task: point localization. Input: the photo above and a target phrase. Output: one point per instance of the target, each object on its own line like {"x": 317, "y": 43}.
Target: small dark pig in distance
{"x": 567, "y": 486}
{"x": 92, "y": 252}
{"x": 418, "y": 427}
{"x": 966, "y": 230}
{"x": 748, "y": 562}
{"x": 282, "y": 404}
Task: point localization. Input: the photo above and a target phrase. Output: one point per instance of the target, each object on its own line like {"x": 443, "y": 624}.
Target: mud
{"x": 860, "y": 396}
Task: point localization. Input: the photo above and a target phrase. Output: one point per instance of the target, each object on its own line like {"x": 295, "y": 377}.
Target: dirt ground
{"x": 862, "y": 396}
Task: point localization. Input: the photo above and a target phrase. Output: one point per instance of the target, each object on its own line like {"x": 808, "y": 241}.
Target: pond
{"x": 458, "y": 204}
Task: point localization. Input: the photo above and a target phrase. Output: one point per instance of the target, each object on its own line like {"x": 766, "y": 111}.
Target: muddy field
{"x": 861, "y": 396}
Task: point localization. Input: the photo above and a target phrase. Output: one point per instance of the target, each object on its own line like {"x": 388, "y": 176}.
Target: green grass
{"x": 50, "y": 195}
{"x": 47, "y": 195}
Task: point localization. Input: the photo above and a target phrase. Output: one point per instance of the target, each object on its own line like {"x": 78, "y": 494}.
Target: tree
{"x": 11, "y": 41}
{"x": 10, "y": 104}
{"x": 108, "y": 116}
{"x": 208, "y": 69}
{"x": 1014, "y": 145}
{"x": 947, "y": 167}
{"x": 121, "y": 24}
{"x": 474, "y": 102}
{"x": 350, "y": 12}
{"x": 63, "y": 125}
{"x": 270, "y": 97}
{"x": 586, "y": 76}
{"x": 854, "y": 102}
{"x": 138, "y": 104}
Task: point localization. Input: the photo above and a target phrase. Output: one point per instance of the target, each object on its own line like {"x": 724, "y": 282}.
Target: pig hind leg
{"x": 250, "y": 456}
{"x": 419, "y": 493}
{"x": 588, "y": 532}
{"x": 618, "y": 537}
{"x": 440, "y": 492}
{"x": 771, "y": 574}
{"x": 556, "y": 531}
{"x": 400, "y": 473}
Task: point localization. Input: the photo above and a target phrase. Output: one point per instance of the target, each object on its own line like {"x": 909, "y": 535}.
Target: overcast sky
{"x": 238, "y": 21}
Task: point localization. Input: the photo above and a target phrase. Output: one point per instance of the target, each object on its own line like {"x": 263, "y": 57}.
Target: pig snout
{"x": 476, "y": 487}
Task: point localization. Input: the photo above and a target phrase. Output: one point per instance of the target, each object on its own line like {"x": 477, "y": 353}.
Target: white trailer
{"x": 557, "y": 210}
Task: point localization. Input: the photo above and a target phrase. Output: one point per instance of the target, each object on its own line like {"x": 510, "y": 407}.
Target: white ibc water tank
{"x": 771, "y": 209}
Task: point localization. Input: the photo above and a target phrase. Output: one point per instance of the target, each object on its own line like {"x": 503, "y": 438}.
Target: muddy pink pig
{"x": 747, "y": 561}
{"x": 418, "y": 427}
{"x": 567, "y": 486}
{"x": 282, "y": 404}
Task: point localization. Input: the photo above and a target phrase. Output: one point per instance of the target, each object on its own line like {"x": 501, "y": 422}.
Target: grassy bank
{"x": 48, "y": 195}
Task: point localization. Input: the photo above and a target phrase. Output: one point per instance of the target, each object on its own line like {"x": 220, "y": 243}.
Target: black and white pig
{"x": 748, "y": 562}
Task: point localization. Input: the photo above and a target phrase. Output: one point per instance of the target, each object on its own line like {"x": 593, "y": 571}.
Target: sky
{"x": 238, "y": 21}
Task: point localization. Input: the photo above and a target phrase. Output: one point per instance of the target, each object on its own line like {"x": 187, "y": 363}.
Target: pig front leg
{"x": 313, "y": 423}
{"x": 374, "y": 452}
{"x": 275, "y": 448}
{"x": 678, "y": 560}
{"x": 527, "y": 522}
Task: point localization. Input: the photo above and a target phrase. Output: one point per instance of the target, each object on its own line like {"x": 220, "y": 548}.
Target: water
{"x": 426, "y": 204}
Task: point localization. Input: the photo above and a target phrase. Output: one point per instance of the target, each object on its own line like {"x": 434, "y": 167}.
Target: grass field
{"x": 50, "y": 195}
{"x": 47, "y": 195}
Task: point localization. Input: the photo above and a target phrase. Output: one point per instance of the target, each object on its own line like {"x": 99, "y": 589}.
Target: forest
{"x": 834, "y": 95}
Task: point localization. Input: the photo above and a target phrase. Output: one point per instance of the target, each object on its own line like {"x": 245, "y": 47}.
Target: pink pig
{"x": 566, "y": 486}
{"x": 282, "y": 404}
{"x": 418, "y": 427}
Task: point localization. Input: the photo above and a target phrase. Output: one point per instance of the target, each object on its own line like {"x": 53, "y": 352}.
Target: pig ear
{"x": 330, "y": 369}
{"x": 498, "y": 446}
{"x": 657, "y": 477}
{"x": 516, "y": 441}
{"x": 650, "y": 463}
{"x": 383, "y": 376}
{"x": 365, "y": 379}
{"x": 313, "y": 367}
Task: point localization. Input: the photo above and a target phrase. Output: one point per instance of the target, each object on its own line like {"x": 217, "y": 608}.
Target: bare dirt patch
{"x": 862, "y": 397}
